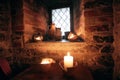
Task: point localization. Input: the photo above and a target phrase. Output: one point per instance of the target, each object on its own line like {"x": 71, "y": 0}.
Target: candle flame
{"x": 37, "y": 38}
{"x": 71, "y": 36}
{"x": 44, "y": 61}
{"x": 47, "y": 61}
{"x": 68, "y": 53}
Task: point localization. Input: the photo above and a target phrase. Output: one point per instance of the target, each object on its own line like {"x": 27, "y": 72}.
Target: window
{"x": 61, "y": 18}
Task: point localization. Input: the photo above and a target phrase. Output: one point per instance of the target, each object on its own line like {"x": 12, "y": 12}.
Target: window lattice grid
{"x": 61, "y": 18}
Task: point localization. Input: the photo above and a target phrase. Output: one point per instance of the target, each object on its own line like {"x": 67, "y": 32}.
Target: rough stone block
{"x": 90, "y": 13}
{"x": 108, "y": 19}
{"x": 98, "y": 28}
{"x": 107, "y": 49}
{"x": 102, "y": 39}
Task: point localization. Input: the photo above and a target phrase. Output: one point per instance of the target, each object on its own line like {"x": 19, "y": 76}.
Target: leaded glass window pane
{"x": 61, "y": 18}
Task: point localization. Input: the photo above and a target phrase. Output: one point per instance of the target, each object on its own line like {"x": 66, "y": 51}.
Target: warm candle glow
{"x": 39, "y": 38}
{"x": 68, "y": 61}
{"x": 71, "y": 36}
{"x": 47, "y": 61}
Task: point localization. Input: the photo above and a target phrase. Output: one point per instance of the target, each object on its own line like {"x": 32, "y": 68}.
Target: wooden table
{"x": 54, "y": 72}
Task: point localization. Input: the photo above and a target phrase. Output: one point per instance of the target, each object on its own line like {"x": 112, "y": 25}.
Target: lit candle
{"x": 68, "y": 61}
{"x": 46, "y": 64}
{"x": 47, "y": 61}
{"x": 38, "y": 38}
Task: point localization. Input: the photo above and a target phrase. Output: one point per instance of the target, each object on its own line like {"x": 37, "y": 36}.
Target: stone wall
{"x": 78, "y": 18}
{"x": 99, "y": 21}
{"x": 5, "y": 28}
{"x": 98, "y": 16}
{"x": 35, "y": 19}
{"x": 17, "y": 28}
{"x": 116, "y": 29}
{"x": 5, "y": 24}
{"x": 28, "y": 18}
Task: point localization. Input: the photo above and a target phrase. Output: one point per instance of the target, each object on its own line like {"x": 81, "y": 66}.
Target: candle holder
{"x": 61, "y": 63}
{"x": 45, "y": 67}
{"x": 46, "y": 64}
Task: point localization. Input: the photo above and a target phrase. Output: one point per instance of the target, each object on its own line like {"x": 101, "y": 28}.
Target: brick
{"x": 101, "y": 39}
{"x": 107, "y": 49}
{"x": 90, "y": 13}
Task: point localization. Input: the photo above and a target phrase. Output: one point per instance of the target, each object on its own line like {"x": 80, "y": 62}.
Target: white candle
{"x": 68, "y": 61}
